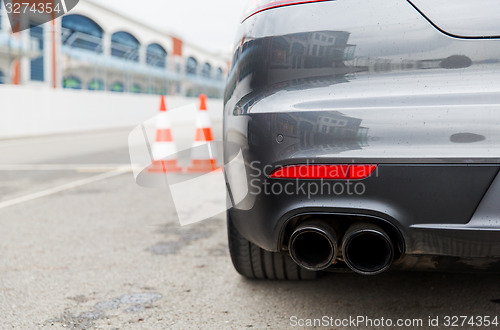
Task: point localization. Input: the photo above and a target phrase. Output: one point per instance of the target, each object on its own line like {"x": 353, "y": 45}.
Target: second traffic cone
{"x": 164, "y": 150}
{"x": 203, "y": 150}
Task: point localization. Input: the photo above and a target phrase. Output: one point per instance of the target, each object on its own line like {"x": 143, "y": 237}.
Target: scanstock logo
{"x": 24, "y": 14}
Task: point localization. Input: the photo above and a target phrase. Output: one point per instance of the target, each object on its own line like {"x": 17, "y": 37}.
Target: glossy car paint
{"x": 370, "y": 82}
{"x": 462, "y": 18}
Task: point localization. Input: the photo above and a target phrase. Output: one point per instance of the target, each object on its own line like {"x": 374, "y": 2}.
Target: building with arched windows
{"x": 96, "y": 49}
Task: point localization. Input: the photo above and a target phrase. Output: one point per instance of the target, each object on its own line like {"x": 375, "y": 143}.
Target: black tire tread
{"x": 253, "y": 262}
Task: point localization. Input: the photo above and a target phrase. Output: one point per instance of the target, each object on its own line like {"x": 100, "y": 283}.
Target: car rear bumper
{"x": 441, "y": 205}
{"x": 387, "y": 88}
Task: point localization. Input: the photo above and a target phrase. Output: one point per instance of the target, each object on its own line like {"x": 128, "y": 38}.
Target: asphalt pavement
{"x": 83, "y": 246}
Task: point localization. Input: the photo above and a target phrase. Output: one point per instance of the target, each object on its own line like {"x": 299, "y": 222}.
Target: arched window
{"x": 220, "y": 74}
{"x": 136, "y": 88}
{"x": 206, "y": 70}
{"x": 116, "y": 87}
{"x": 298, "y": 49}
{"x": 191, "y": 66}
{"x": 72, "y": 82}
{"x": 156, "y": 55}
{"x": 298, "y": 52}
{"x": 280, "y": 48}
{"x": 37, "y": 70}
{"x": 124, "y": 45}
{"x": 95, "y": 85}
{"x": 81, "y": 32}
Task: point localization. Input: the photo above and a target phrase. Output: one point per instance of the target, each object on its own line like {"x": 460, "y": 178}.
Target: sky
{"x": 210, "y": 24}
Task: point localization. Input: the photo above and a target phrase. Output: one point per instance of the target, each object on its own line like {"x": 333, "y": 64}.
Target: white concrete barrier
{"x": 29, "y": 111}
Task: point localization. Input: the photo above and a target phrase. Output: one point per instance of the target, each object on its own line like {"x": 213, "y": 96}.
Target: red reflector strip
{"x": 358, "y": 172}
{"x": 322, "y": 171}
{"x": 257, "y": 6}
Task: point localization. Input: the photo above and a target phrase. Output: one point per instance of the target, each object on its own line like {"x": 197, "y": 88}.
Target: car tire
{"x": 255, "y": 263}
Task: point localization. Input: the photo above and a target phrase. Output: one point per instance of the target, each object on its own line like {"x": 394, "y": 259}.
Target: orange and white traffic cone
{"x": 203, "y": 150}
{"x": 164, "y": 150}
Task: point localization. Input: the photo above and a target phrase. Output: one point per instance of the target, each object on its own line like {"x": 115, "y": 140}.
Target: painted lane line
{"x": 54, "y": 190}
{"x": 63, "y": 2}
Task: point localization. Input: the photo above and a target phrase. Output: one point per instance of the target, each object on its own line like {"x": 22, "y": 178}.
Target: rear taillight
{"x": 257, "y": 6}
{"x": 323, "y": 171}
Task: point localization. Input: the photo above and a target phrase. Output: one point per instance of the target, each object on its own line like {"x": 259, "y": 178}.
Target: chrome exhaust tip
{"x": 313, "y": 245}
{"x": 367, "y": 249}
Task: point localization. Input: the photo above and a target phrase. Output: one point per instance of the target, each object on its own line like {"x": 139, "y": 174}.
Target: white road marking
{"x": 63, "y": 187}
{"x": 64, "y": 6}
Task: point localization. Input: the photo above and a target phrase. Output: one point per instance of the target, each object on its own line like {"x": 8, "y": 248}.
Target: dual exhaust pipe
{"x": 366, "y": 248}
